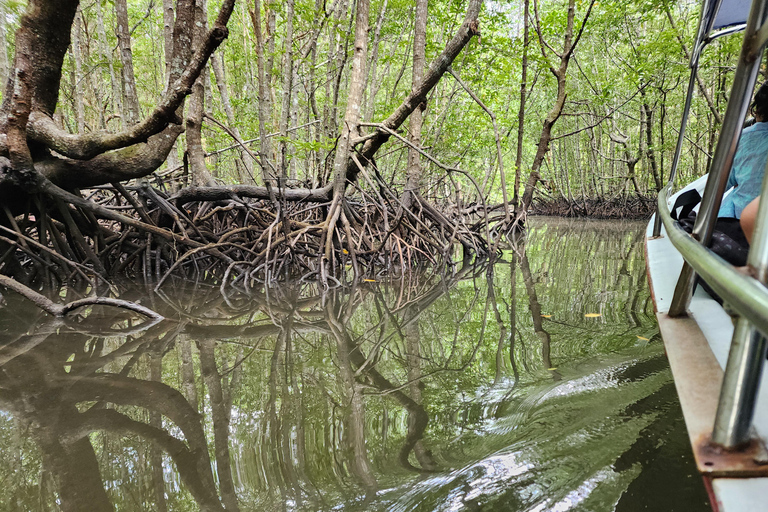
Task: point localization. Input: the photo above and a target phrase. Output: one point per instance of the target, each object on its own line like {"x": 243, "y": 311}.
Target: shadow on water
{"x": 540, "y": 384}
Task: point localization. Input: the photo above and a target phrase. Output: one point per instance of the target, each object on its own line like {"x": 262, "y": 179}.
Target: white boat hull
{"x": 697, "y": 348}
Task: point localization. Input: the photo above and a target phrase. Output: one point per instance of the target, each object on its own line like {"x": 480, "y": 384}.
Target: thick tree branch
{"x": 85, "y": 146}
{"x": 189, "y": 194}
{"x": 124, "y": 164}
{"x": 437, "y": 68}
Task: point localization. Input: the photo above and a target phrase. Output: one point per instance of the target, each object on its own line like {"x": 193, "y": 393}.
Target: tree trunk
{"x": 285, "y": 110}
{"x": 200, "y": 174}
{"x": 168, "y": 24}
{"x": 77, "y": 56}
{"x": 245, "y": 164}
{"x": 131, "y": 113}
{"x": 413, "y": 181}
{"x": 220, "y": 415}
{"x": 351, "y": 116}
{"x": 156, "y": 457}
{"x": 521, "y": 110}
{"x": 265, "y": 150}
{"x": 3, "y": 45}
{"x": 416, "y": 422}
{"x": 116, "y": 105}
{"x": 649, "y": 148}
{"x": 374, "y": 85}
{"x": 569, "y": 45}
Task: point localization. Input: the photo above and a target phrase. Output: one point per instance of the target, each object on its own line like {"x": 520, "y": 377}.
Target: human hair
{"x": 760, "y": 103}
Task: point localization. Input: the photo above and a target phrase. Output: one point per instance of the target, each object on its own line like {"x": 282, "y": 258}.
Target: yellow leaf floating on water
{"x": 546, "y": 316}
{"x": 642, "y": 338}
{"x": 592, "y": 315}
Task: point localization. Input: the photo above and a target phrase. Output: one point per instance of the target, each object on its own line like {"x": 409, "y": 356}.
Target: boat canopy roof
{"x": 719, "y": 18}
{"x": 727, "y": 13}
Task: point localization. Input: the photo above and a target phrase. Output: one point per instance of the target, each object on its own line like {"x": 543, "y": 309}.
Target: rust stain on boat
{"x": 750, "y": 460}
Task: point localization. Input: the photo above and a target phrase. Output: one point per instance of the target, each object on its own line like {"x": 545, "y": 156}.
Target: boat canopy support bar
{"x": 746, "y": 358}
{"x": 680, "y": 138}
{"x": 705, "y": 35}
{"x": 741, "y": 94}
{"x": 746, "y": 294}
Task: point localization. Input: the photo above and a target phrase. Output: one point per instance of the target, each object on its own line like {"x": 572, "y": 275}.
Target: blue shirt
{"x": 747, "y": 171}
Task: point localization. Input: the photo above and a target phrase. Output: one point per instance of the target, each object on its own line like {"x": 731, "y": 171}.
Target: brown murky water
{"x": 540, "y": 386}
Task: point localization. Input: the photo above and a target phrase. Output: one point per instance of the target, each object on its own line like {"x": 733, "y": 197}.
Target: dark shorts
{"x": 728, "y": 242}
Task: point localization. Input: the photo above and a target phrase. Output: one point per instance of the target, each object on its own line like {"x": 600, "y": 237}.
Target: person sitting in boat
{"x": 748, "y": 168}
{"x": 746, "y": 178}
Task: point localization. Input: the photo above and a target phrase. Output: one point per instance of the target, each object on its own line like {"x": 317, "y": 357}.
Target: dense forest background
{"x": 247, "y": 140}
{"x": 207, "y": 150}
{"x": 624, "y": 89}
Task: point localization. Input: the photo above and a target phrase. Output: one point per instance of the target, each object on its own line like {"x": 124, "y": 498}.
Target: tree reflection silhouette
{"x": 292, "y": 397}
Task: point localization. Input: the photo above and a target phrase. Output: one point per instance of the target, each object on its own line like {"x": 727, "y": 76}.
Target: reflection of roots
{"x": 145, "y": 233}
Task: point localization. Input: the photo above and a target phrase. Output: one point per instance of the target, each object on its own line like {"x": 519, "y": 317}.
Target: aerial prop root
{"x": 111, "y": 232}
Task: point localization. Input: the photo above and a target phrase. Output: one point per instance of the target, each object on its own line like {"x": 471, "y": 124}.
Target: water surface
{"x": 540, "y": 384}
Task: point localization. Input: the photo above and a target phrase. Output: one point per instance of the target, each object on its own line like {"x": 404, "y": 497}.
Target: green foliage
{"x": 629, "y": 55}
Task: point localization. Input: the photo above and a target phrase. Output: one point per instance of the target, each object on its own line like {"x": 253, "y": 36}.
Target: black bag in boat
{"x": 728, "y": 242}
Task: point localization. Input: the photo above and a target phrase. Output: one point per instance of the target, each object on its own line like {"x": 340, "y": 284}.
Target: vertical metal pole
{"x": 680, "y": 137}
{"x": 736, "y": 407}
{"x": 741, "y": 92}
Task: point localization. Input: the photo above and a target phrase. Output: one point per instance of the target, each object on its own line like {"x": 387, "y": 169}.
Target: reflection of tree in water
{"x": 279, "y": 397}
{"x": 54, "y": 388}
{"x": 67, "y": 384}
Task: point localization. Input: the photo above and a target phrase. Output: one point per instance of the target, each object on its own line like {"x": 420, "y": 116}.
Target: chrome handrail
{"x": 749, "y": 297}
{"x": 746, "y": 358}
{"x": 743, "y": 293}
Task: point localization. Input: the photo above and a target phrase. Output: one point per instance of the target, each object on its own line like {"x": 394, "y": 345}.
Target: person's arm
{"x": 748, "y": 218}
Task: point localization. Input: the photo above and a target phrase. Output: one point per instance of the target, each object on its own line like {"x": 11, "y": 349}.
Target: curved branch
{"x": 124, "y": 164}
{"x": 153, "y": 396}
{"x": 194, "y": 472}
{"x": 85, "y": 146}
{"x": 109, "y": 301}
{"x": 60, "y": 310}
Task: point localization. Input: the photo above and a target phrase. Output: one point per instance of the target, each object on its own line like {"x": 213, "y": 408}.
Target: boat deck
{"x": 697, "y": 348}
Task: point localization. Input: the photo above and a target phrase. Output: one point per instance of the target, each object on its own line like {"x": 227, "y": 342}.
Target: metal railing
{"x": 747, "y": 295}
